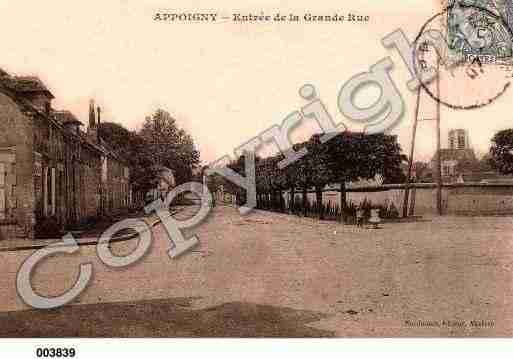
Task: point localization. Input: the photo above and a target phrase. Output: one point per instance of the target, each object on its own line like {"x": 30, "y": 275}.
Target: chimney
{"x": 92, "y": 130}
{"x": 99, "y": 110}
{"x": 92, "y": 119}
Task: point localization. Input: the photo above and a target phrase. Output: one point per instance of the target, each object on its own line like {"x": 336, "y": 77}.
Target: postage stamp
{"x": 479, "y": 28}
{"x": 463, "y": 54}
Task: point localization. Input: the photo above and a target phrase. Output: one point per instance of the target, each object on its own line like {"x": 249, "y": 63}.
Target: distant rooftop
{"x": 65, "y": 117}
{"x": 449, "y": 154}
{"x": 457, "y": 154}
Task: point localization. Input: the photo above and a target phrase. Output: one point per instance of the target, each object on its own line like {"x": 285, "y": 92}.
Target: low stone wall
{"x": 457, "y": 199}
{"x": 481, "y": 200}
{"x": 425, "y": 198}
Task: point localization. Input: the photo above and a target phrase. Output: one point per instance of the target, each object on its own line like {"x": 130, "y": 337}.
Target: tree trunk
{"x": 292, "y": 198}
{"x": 343, "y": 200}
{"x": 305, "y": 201}
{"x": 281, "y": 201}
{"x": 318, "y": 199}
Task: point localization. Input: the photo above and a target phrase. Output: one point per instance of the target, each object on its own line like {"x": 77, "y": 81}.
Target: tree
{"x": 130, "y": 147}
{"x": 118, "y": 138}
{"x": 422, "y": 171}
{"x": 266, "y": 178}
{"x": 315, "y": 170}
{"x": 160, "y": 143}
{"x": 485, "y": 163}
{"x": 286, "y": 179}
{"x": 501, "y": 151}
{"x": 277, "y": 181}
{"x": 167, "y": 145}
{"x": 303, "y": 173}
{"x": 354, "y": 156}
{"x": 391, "y": 159}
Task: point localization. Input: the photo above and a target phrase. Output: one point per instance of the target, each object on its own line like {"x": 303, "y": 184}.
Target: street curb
{"x": 89, "y": 243}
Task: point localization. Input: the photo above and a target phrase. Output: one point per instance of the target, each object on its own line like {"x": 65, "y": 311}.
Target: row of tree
{"x": 159, "y": 143}
{"x": 349, "y": 156}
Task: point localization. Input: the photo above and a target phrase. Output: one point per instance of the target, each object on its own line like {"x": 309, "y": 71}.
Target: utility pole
{"x": 438, "y": 150}
{"x": 438, "y": 155}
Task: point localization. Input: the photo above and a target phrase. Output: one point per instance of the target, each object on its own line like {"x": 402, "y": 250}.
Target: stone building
{"x": 459, "y": 161}
{"x": 49, "y": 167}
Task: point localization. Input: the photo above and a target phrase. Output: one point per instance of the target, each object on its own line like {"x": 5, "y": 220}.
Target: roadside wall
{"x": 461, "y": 199}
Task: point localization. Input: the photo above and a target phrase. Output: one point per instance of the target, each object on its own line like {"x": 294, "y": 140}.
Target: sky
{"x": 226, "y": 82}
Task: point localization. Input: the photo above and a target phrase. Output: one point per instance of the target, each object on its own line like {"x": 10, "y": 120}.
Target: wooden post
{"x": 412, "y": 151}
{"x": 412, "y": 201}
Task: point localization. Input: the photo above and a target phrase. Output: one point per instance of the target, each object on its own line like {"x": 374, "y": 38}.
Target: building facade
{"x": 49, "y": 167}
{"x": 459, "y": 161}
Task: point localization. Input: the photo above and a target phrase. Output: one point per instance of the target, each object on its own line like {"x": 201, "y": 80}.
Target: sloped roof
{"x": 448, "y": 154}
{"x": 7, "y": 86}
{"x": 16, "y": 86}
{"x": 65, "y": 117}
{"x": 28, "y": 84}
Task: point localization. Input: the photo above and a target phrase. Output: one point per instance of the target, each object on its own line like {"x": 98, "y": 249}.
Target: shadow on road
{"x": 162, "y": 318}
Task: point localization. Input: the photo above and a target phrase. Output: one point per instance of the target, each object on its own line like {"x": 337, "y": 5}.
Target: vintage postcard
{"x": 194, "y": 169}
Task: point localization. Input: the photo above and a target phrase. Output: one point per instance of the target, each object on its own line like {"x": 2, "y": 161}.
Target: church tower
{"x": 458, "y": 139}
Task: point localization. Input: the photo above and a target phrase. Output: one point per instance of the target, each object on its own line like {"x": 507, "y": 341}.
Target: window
{"x": 47, "y": 107}
{"x": 461, "y": 141}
